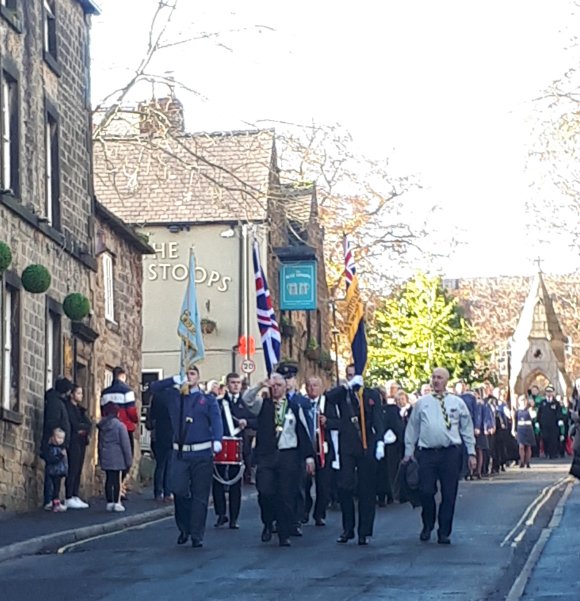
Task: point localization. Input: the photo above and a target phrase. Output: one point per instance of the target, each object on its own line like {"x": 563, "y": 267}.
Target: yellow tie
{"x": 441, "y": 398}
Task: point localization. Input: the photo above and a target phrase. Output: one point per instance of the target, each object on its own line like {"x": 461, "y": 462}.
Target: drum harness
{"x": 241, "y": 468}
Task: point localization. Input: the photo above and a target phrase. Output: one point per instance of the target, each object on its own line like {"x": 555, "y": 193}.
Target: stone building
{"x": 213, "y": 193}
{"x": 47, "y": 218}
{"x": 494, "y": 308}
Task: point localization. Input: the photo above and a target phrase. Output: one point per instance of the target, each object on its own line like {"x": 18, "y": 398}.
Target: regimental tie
{"x": 441, "y": 398}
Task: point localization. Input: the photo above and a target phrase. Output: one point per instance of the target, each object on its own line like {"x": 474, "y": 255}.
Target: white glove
{"x": 179, "y": 380}
{"x": 217, "y": 446}
{"x": 560, "y": 423}
{"x": 356, "y": 382}
{"x": 380, "y": 452}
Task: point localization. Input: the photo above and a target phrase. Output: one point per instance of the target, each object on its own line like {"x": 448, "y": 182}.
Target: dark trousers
{"x": 277, "y": 482}
{"x": 227, "y": 472}
{"x": 161, "y": 481}
{"x": 113, "y": 486}
{"x": 387, "y": 469}
{"x": 551, "y": 443}
{"x": 357, "y": 474}
{"x": 322, "y": 482}
{"x": 191, "y": 476}
{"x": 441, "y": 465}
{"x": 248, "y": 436}
{"x": 132, "y": 443}
{"x": 76, "y": 458}
{"x": 56, "y": 480}
{"x": 48, "y": 486}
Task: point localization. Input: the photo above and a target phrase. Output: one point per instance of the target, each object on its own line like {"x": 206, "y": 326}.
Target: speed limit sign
{"x": 248, "y": 366}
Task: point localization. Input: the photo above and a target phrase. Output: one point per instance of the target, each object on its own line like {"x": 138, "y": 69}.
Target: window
{"x": 9, "y": 9}
{"x": 9, "y": 132}
{"x": 109, "y": 287}
{"x": 49, "y": 44}
{"x": 52, "y": 192}
{"x": 10, "y": 348}
{"x": 53, "y": 346}
{"x": 108, "y": 377}
{"x": 10, "y": 4}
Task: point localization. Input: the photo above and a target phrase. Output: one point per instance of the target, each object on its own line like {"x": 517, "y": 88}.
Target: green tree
{"x": 417, "y": 328}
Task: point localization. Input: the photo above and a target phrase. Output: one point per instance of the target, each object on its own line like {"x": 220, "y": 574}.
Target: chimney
{"x": 161, "y": 117}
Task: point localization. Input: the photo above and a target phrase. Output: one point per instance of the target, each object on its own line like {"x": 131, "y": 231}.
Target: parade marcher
{"x": 55, "y": 416}
{"x": 323, "y": 453}
{"x": 122, "y": 395}
{"x": 549, "y": 416}
{"x": 393, "y": 427}
{"x": 524, "y": 431}
{"x": 282, "y": 446}
{"x": 159, "y": 424}
{"x": 503, "y": 434}
{"x": 289, "y": 371}
{"x": 197, "y": 435}
{"x": 357, "y": 464}
{"x": 534, "y": 401}
{"x": 235, "y": 418}
{"x": 440, "y": 422}
{"x": 470, "y": 401}
{"x": 482, "y": 426}
{"x": 81, "y": 427}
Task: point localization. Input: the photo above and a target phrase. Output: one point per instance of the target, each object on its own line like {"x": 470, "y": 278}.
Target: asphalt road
{"x": 144, "y": 564}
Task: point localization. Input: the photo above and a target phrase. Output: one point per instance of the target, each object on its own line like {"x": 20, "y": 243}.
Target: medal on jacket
{"x": 279, "y": 416}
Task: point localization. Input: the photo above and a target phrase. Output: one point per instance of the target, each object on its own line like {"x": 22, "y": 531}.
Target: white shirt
{"x": 427, "y": 428}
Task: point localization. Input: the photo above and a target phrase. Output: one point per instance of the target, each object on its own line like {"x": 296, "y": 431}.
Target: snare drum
{"x": 231, "y": 453}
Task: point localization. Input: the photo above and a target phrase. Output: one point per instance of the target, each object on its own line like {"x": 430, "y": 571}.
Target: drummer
{"x": 236, "y": 418}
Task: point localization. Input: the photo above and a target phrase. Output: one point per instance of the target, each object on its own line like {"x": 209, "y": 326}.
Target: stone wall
{"x": 65, "y": 252}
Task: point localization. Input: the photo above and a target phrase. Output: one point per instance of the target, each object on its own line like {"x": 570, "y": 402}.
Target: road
{"x": 145, "y": 564}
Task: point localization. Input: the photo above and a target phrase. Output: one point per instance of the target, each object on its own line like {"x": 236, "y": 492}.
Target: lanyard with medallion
{"x": 279, "y": 416}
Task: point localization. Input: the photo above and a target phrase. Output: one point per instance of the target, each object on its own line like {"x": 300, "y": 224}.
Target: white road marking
{"x": 67, "y": 548}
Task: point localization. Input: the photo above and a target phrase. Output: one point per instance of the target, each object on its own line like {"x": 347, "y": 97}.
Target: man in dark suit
{"x": 236, "y": 418}
{"x": 358, "y": 450}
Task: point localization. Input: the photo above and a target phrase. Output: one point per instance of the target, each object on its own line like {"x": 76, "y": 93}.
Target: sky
{"x": 444, "y": 89}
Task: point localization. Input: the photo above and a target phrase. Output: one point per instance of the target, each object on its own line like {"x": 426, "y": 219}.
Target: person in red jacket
{"x": 122, "y": 395}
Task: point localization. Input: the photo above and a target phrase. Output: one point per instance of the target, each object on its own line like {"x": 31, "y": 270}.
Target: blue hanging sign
{"x": 298, "y": 286}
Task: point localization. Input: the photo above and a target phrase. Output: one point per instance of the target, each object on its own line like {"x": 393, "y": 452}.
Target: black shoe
{"x": 363, "y": 540}
{"x": 182, "y": 538}
{"x": 266, "y": 534}
{"x": 381, "y": 503}
{"x": 234, "y": 525}
{"x": 305, "y": 518}
{"x": 425, "y": 535}
{"x": 296, "y": 531}
{"x": 319, "y": 522}
{"x": 196, "y": 543}
{"x": 274, "y": 528}
{"x": 345, "y": 537}
{"x": 443, "y": 540}
{"x": 222, "y": 519}
{"x": 284, "y": 542}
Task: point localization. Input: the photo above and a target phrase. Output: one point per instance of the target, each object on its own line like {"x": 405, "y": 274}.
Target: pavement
{"x": 33, "y": 532}
{"x": 554, "y": 575}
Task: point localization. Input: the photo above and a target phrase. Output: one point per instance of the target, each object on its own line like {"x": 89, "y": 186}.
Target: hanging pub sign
{"x": 298, "y": 286}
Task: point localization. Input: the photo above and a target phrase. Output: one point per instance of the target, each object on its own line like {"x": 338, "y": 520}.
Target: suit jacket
{"x": 343, "y": 414}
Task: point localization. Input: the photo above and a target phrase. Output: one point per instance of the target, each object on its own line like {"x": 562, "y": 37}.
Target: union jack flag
{"x": 349, "y": 266}
{"x": 269, "y": 330}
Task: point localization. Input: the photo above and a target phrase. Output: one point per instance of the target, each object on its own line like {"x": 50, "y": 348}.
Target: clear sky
{"x": 444, "y": 88}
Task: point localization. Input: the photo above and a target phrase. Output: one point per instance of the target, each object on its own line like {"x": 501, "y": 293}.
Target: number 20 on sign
{"x": 248, "y": 366}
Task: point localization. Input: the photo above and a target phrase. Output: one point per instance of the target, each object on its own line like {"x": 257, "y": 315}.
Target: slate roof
{"x": 193, "y": 178}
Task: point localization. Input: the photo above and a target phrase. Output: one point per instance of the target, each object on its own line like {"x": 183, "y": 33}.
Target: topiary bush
{"x": 76, "y": 306}
{"x": 36, "y": 279}
{"x": 5, "y": 256}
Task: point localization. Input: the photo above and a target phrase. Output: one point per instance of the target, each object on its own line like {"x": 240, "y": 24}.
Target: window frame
{"x": 9, "y": 119}
{"x": 10, "y": 11}
{"x": 11, "y": 384}
{"x": 53, "y": 337}
{"x": 52, "y": 204}
{"x": 50, "y": 35}
{"x": 108, "y": 267}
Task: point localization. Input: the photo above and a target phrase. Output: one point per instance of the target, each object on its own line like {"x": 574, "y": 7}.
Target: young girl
{"x": 114, "y": 454}
{"x": 54, "y": 453}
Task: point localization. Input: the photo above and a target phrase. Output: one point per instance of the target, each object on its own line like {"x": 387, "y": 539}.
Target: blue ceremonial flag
{"x": 269, "y": 330}
{"x": 354, "y": 318}
{"x": 189, "y": 328}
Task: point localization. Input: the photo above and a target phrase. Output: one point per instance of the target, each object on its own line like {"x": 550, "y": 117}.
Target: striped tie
{"x": 441, "y": 398}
